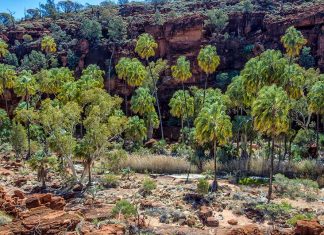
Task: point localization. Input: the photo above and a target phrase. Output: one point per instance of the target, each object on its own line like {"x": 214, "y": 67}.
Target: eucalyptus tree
{"x": 142, "y": 103}
{"x": 145, "y": 48}
{"x": 92, "y": 77}
{"x": 3, "y": 48}
{"x": 214, "y": 126}
{"x": 48, "y": 44}
{"x": 103, "y": 122}
{"x": 208, "y": 61}
{"x": 26, "y": 86}
{"x": 316, "y": 104}
{"x": 7, "y": 80}
{"x": 270, "y": 112}
{"x": 180, "y": 107}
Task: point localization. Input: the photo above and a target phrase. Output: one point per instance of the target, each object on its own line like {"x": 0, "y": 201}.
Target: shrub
{"x": 114, "y": 159}
{"x": 302, "y": 141}
{"x": 124, "y": 208}
{"x": 110, "y": 181}
{"x": 306, "y": 59}
{"x": 253, "y": 181}
{"x": 148, "y": 185}
{"x": 5, "y": 126}
{"x": 27, "y": 38}
{"x": 217, "y": 19}
{"x": 18, "y": 139}
{"x": 35, "y": 61}
{"x": 91, "y": 30}
{"x": 203, "y": 186}
{"x": 159, "y": 147}
{"x": 11, "y": 59}
{"x": 4, "y": 218}
{"x": 293, "y": 220}
{"x": 273, "y": 210}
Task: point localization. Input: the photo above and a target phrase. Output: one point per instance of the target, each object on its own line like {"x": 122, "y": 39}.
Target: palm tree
{"x": 181, "y": 72}
{"x": 270, "y": 111}
{"x": 26, "y": 86}
{"x": 214, "y": 126}
{"x": 48, "y": 44}
{"x": 136, "y": 130}
{"x": 143, "y": 104}
{"x": 7, "y": 80}
{"x": 145, "y": 48}
{"x": 208, "y": 61}
{"x": 3, "y": 48}
{"x": 316, "y": 105}
{"x": 293, "y": 41}
{"x": 132, "y": 71}
{"x": 180, "y": 107}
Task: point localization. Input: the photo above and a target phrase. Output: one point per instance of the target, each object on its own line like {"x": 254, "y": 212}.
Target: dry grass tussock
{"x": 256, "y": 166}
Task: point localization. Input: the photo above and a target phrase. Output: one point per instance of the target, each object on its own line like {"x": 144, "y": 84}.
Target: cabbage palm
{"x": 316, "y": 104}
{"x": 7, "y": 80}
{"x": 143, "y": 104}
{"x": 132, "y": 71}
{"x": 25, "y": 86}
{"x": 270, "y": 112}
{"x": 208, "y": 61}
{"x": 3, "y": 48}
{"x": 180, "y": 107}
{"x": 48, "y": 44}
{"x": 293, "y": 41}
{"x": 145, "y": 48}
{"x": 136, "y": 130}
{"x": 214, "y": 126}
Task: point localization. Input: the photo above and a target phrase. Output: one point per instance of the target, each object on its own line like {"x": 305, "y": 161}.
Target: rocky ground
{"x": 173, "y": 207}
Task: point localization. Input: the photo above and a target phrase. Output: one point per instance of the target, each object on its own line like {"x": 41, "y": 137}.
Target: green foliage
{"x": 35, "y": 61}
{"x": 27, "y": 38}
{"x": 181, "y": 71}
{"x": 132, "y": 71}
{"x": 148, "y": 185}
{"x": 11, "y": 59}
{"x": 125, "y": 208}
{"x": 296, "y": 187}
{"x": 217, "y": 19}
{"x": 91, "y": 30}
{"x": 293, "y": 220}
{"x": 72, "y": 59}
{"x": 4, "y": 218}
{"x": 114, "y": 159}
{"x": 181, "y": 150}
{"x": 5, "y": 126}
{"x": 159, "y": 147}
{"x": 316, "y": 98}
{"x": 273, "y": 210}
{"x": 136, "y": 129}
{"x": 203, "y": 186}
{"x": 223, "y": 80}
{"x": 208, "y": 60}
{"x": 182, "y": 105}
{"x": 48, "y": 9}
{"x": 306, "y": 59}
{"x": 3, "y": 48}
{"x": 293, "y": 41}
{"x": 18, "y": 139}
{"x": 146, "y": 46}
{"x": 117, "y": 29}
{"x": 110, "y": 181}
{"x": 270, "y": 111}
{"x": 252, "y": 181}
{"x": 302, "y": 142}
{"x": 246, "y": 6}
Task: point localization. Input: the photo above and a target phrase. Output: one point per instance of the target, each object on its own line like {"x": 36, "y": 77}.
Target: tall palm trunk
{"x": 205, "y": 87}
{"x": 109, "y": 68}
{"x": 215, "y": 184}
{"x": 28, "y": 126}
{"x": 317, "y": 133}
{"x": 271, "y": 170}
{"x": 156, "y": 98}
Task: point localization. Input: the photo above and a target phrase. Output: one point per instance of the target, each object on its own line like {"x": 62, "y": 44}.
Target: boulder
{"x": 205, "y": 212}
{"x": 232, "y": 222}
{"x": 32, "y": 202}
{"x": 308, "y": 227}
{"x": 249, "y": 229}
{"x": 212, "y": 222}
{"x": 19, "y": 194}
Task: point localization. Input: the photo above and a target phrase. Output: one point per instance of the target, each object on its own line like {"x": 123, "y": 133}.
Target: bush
{"x": 27, "y": 38}
{"x": 11, "y": 59}
{"x": 5, "y": 126}
{"x": 35, "y": 61}
{"x": 273, "y": 210}
{"x": 203, "y": 186}
{"x": 217, "y": 19}
{"x": 114, "y": 160}
{"x": 159, "y": 147}
{"x": 124, "y": 208}
{"x": 253, "y": 181}
{"x": 302, "y": 142}
{"x": 293, "y": 220}
{"x": 18, "y": 139}
{"x": 4, "y": 218}
{"x": 148, "y": 185}
{"x": 110, "y": 181}
{"x": 91, "y": 30}
{"x": 306, "y": 59}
